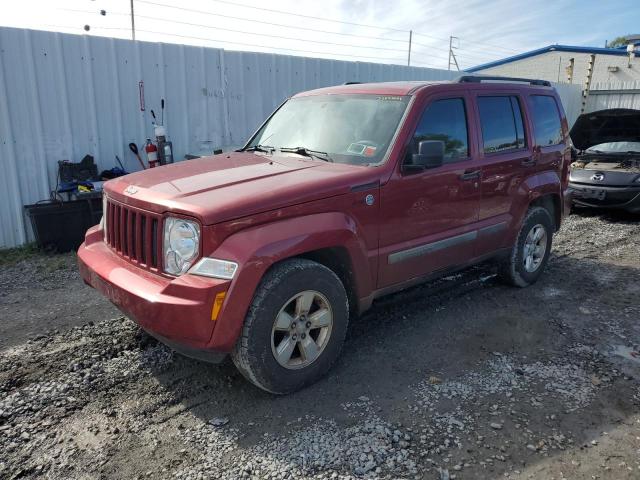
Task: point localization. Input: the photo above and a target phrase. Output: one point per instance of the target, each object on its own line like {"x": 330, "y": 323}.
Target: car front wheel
{"x": 295, "y": 327}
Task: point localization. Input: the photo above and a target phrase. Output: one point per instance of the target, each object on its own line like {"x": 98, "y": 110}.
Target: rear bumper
{"x": 598, "y": 196}
{"x": 175, "y": 310}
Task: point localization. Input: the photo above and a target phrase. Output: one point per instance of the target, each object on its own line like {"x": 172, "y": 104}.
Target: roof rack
{"x": 480, "y": 78}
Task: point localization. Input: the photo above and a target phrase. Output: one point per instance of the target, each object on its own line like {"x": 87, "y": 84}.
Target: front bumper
{"x": 175, "y": 310}
{"x": 598, "y": 196}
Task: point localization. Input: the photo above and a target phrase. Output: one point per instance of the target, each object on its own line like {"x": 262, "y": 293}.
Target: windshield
{"x": 354, "y": 129}
{"x": 615, "y": 147}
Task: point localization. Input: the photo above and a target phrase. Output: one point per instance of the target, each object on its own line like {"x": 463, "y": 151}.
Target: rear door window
{"x": 501, "y": 124}
{"x": 547, "y": 128}
{"x": 445, "y": 120}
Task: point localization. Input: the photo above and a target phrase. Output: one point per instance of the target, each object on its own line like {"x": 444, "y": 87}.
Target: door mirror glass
{"x": 430, "y": 154}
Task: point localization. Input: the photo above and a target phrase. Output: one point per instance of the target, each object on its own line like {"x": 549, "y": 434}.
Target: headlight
{"x": 181, "y": 244}
{"x": 212, "y": 267}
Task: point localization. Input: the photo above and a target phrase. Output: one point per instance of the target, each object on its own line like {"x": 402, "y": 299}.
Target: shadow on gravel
{"x": 613, "y": 216}
{"x": 463, "y": 360}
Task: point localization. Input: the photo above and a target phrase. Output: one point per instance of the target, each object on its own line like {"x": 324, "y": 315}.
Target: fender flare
{"x": 533, "y": 188}
{"x": 257, "y": 248}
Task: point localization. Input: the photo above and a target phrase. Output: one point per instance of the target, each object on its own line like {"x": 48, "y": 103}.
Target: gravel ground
{"x": 461, "y": 378}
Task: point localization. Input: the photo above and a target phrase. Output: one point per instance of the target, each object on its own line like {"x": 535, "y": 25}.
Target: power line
{"x": 264, "y": 46}
{"x": 270, "y": 35}
{"x": 308, "y": 16}
{"x": 467, "y": 40}
{"x": 253, "y": 33}
{"x": 431, "y": 36}
{"x": 203, "y": 12}
{"x": 473, "y": 55}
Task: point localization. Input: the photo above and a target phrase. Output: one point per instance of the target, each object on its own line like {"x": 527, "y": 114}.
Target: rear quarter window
{"x": 547, "y": 128}
{"x": 501, "y": 124}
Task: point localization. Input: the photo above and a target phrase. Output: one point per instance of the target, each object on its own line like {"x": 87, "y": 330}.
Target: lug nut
{"x": 308, "y": 324}
{"x": 294, "y": 336}
{"x": 304, "y": 335}
{"x": 293, "y": 325}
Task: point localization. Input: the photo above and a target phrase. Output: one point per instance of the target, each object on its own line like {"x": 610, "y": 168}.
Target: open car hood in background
{"x": 613, "y": 125}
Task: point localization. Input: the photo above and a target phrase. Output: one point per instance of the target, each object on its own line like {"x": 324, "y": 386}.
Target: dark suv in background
{"x": 343, "y": 195}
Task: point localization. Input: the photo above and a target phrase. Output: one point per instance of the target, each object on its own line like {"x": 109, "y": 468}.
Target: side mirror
{"x": 430, "y": 154}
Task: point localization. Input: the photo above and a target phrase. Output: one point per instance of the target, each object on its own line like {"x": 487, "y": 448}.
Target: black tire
{"x": 512, "y": 270}
{"x": 253, "y": 354}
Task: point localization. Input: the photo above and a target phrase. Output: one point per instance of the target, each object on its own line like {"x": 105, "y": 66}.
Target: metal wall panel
{"x": 614, "y": 95}
{"x": 63, "y": 96}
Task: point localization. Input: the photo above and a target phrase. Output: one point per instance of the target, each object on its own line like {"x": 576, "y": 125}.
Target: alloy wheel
{"x": 301, "y": 330}
{"x": 535, "y": 247}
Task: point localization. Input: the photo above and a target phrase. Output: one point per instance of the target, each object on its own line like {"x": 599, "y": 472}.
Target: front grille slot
{"x": 134, "y": 234}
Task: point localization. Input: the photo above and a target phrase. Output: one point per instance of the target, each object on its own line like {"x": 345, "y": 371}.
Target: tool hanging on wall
{"x": 134, "y": 148}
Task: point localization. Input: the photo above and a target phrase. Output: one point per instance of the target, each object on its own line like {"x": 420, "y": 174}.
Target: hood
{"x": 613, "y": 125}
{"x": 234, "y": 185}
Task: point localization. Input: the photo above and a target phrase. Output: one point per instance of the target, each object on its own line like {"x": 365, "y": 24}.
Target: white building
{"x": 609, "y": 77}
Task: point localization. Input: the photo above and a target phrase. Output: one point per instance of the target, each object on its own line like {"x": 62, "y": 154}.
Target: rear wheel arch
{"x": 553, "y": 204}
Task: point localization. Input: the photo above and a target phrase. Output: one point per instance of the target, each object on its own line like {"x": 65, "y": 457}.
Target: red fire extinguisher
{"x": 152, "y": 153}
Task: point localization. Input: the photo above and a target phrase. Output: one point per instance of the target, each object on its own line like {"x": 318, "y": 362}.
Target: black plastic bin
{"x": 61, "y": 226}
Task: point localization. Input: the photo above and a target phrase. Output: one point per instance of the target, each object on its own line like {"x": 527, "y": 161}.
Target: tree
{"x": 618, "y": 42}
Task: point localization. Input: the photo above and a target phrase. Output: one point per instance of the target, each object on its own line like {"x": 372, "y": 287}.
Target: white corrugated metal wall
{"x": 64, "y": 96}
{"x": 614, "y": 95}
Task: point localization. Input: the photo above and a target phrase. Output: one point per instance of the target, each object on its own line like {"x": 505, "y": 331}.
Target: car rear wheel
{"x": 295, "y": 327}
{"x": 531, "y": 251}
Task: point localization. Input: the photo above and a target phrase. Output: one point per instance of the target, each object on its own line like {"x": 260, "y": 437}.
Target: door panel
{"x": 506, "y": 163}
{"x": 428, "y": 218}
{"x": 421, "y": 216}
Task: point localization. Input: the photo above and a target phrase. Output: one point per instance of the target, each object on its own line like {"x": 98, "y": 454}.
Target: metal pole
{"x": 409, "y": 56}
{"x": 450, "y": 44}
{"x": 133, "y": 23}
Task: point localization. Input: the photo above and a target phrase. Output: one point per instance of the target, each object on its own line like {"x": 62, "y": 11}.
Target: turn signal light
{"x": 217, "y": 305}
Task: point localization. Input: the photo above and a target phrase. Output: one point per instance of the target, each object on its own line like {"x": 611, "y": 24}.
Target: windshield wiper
{"x": 307, "y": 153}
{"x": 258, "y": 148}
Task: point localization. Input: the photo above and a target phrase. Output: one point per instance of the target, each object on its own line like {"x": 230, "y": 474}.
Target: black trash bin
{"x": 61, "y": 226}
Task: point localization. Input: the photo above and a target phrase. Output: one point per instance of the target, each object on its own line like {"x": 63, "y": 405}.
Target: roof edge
{"x": 549, "y": 48}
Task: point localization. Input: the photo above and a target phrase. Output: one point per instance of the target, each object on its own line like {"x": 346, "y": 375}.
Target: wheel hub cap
{"x": 301, "y": 329}
{"x": 535, "y": 247}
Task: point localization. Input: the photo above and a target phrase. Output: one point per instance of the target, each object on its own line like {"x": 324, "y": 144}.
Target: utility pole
{"x": 133, "y": 23}
{"x": 409, "y": 56}
{"x": 451, "y": 54}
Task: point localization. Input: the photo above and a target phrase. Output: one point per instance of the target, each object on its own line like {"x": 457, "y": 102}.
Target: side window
{"x": 445, "y": 120}
{"x": 546, "y": 120}
{"x": 501, "y": 123}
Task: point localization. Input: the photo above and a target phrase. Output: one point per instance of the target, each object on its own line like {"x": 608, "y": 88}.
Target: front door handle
{"x": 528, "y": 162}
{"x": 470, "y": 175}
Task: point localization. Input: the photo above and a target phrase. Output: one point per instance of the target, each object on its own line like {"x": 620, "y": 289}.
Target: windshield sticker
{"x": 392, "y": 98}
{"x": 356, "y": 149}
{"x": 369, "y": 151}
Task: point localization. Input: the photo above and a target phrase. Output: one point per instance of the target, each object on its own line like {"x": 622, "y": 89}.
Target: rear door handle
{"x": 470, "y": 175}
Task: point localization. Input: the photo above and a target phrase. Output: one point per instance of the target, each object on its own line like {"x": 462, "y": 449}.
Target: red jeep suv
{"x": 343, "y": 195}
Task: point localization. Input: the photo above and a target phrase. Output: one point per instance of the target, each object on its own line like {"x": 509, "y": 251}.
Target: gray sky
{"x": 365, "y": 30}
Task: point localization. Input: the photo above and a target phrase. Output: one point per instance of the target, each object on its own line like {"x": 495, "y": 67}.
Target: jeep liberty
{"x": 343, "y": 195}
